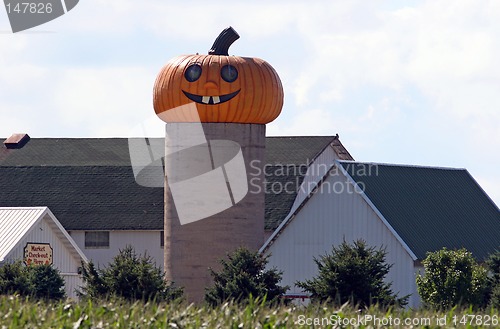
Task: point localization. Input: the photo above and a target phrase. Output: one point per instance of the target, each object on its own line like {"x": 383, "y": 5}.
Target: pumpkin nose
{"x": 210, "y": 85}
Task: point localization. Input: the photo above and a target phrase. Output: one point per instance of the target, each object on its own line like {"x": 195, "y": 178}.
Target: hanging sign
{"x": 38, "y": 254}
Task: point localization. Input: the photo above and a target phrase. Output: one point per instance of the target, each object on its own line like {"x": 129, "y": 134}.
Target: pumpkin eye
{"x": 193, "y": 73}
{"x": 229, "y": 73}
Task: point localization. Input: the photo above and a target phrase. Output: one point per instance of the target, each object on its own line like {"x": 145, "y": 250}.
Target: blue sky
{"x": 400, "y": 81}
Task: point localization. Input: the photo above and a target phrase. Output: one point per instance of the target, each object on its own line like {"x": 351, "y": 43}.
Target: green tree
{"x": 352, "y": 273}
{"x": 452, "y": 278}
{"x": 244, "y": 275}
{"x": 38, "y": 281}
{"x": 94, "y": 286}
{"x": 47, "y": 282}
{"x": 15, "y": 278}
{"x": 129, "y": 276}
{"x": 493, "y": 265}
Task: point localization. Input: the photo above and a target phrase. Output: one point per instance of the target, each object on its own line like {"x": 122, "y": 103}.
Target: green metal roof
{"x": 431, "y": 208}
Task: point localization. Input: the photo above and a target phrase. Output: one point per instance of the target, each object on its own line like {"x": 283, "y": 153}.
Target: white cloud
{"x": 188, "y": 19}
{"x": 438, "y": 59}
{"x": 104, "y": 102}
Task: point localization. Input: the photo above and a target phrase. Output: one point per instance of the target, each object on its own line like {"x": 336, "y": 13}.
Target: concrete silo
{"x": 216, "y": 107}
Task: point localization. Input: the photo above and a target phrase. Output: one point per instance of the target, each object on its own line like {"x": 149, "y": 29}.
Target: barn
{"x": 89, "y": 185}
{"x": 35, "y": 236}
{"x": 408, "y": 210}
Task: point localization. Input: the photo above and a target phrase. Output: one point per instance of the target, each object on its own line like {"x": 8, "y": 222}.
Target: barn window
{"x": 162, "y": 241}
{"x": 97, "y": 239}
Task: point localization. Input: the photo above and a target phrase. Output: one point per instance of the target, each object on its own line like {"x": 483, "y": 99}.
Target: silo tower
{"x": 216, "y": 107}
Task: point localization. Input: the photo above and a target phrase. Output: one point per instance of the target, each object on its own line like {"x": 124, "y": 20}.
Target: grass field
{"x": 17, "y": 312}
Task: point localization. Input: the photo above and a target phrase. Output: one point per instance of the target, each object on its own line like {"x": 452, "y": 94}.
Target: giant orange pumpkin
{"x": 224, "y": 88}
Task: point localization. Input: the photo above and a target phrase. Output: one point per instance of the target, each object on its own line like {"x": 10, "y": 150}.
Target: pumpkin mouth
{"x": 210, "y": 100}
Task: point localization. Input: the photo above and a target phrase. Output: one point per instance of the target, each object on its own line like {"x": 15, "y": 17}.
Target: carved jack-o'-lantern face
{"x": 224, "y": 88}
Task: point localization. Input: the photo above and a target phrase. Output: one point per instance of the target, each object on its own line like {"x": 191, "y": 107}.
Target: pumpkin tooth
{"x": 216, "y": 99}
{"x": 205, "y": 99}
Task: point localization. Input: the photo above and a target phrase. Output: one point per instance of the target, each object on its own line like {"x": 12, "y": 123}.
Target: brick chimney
{"x": 16, "y": 141}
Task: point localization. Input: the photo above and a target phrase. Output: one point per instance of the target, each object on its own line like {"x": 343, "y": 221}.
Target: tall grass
{"x": 17, "y": 312}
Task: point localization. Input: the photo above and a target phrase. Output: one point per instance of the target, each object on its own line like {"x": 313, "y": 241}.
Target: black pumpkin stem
{"x": 224, "y": 41}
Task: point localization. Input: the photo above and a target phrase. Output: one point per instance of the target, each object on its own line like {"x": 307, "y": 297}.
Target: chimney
{"x": 16, "y": 141}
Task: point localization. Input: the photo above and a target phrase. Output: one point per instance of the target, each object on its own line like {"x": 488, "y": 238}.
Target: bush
{"x": 47, "y": 282}
{"x": 38, "y": 281}
{"x": 128, "y": 276}
{"x": 495, "y": 297}
{"x": 15, "y": 278}
{"x": 452, "y": 278}
{"x": 94, "y": 287}
{"x": 244, "y": 276}
{"x": 493, "y": 265}
{"x": 352, "y": 274}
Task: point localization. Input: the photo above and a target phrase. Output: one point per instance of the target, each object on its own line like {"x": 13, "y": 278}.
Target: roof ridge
{"x": 70, "y": 166}
{"x": 128, "y": 137}
{"x": 25, "y": 207}
{"x": 85, "y": 137}
{"x": 305, "y": 136}
{"x": 401, "y": 165}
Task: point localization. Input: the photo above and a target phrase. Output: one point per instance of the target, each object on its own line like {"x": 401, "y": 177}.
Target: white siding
{"x": 72, "y": 283}
{"x": 66, "y": 261}
{"x": 142, "y": 241}
{"x": 318, "y": 168}
{"x": 331, "y": 216}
